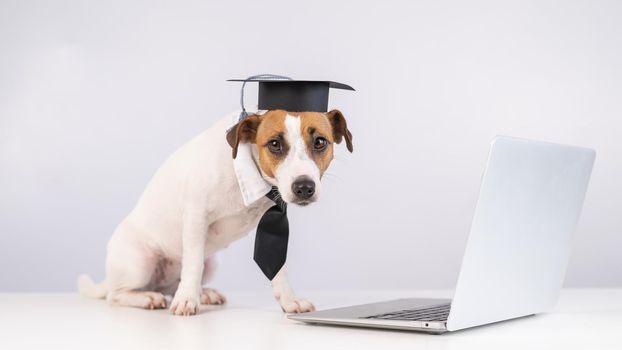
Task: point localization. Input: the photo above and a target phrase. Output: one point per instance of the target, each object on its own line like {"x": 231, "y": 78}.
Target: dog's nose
{"x": 303, "y": 188}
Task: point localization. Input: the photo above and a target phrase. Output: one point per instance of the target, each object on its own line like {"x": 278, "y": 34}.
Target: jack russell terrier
{"x": 209, "y": 193}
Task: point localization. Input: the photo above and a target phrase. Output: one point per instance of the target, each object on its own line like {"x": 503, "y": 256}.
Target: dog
{"x": 193, "y": 207}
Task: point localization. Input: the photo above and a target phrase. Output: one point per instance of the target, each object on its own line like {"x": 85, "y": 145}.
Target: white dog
{"x": 209, "y": 193}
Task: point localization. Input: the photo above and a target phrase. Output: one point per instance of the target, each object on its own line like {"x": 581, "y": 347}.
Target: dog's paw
{"x": 184, "y": 304}
{"x": 141, "y": 299}
{"x": 155, "y": 300}
{"x": 211, "y": 296}
{"x": 296, "y": 305}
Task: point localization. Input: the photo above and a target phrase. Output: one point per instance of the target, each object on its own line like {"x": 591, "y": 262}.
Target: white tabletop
{"x": 583, "y": 319}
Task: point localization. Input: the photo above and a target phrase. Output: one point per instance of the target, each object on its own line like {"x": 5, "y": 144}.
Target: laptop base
{"x": 359, "y": 316}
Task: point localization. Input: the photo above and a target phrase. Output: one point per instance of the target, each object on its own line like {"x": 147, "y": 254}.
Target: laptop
{"x": 518, "y": 248}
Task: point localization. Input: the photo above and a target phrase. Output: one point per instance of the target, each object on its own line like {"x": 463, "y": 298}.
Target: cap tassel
{"x": 244, "y": 114}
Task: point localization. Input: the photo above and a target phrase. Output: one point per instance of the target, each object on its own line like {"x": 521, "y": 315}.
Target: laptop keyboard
{"x": 433, "y": 313}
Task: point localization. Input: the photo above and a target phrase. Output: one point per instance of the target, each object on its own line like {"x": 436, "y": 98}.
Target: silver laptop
{"x": 518, "y": 249}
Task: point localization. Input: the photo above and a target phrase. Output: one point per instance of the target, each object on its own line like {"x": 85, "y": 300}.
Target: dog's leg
{"x": 286, "y": 297}
{"x": 210, "y": 296}
{"x": 129, "y": 269}
{"x": 187, "y": 297}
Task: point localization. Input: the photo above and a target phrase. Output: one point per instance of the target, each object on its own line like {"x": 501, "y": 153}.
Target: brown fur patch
{"x": 272, "y": 126}
{"x": 313, "y": 125}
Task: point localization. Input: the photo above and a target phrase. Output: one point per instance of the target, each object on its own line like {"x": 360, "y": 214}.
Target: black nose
{"x": 303, "y": 188}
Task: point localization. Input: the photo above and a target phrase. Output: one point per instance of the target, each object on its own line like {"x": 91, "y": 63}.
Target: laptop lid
{"x": 520, "y": 240}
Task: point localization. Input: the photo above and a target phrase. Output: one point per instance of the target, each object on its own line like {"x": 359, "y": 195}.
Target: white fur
{"x": 191, "y": 208}
{"x": 297, "y": 162}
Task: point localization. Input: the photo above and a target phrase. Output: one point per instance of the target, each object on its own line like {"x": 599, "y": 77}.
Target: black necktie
{"x": 272, "y": 235}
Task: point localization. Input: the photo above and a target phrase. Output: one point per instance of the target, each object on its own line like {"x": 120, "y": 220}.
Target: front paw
{"x": 185, "y": 304}
{"x": 295, "y": 305}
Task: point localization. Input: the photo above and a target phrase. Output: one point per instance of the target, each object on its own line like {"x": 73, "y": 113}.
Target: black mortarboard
{"x": 294, "y": 95}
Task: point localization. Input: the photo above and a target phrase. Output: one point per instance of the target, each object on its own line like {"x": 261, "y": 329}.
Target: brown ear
{"x": 244, "y": 131}
{"x": 340, "y": 128}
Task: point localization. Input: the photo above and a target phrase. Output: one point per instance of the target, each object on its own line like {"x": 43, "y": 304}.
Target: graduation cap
{"x": 278, "y": 92}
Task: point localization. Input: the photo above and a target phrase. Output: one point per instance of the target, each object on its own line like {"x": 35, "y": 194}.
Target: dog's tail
{"x": 87, "y": 288}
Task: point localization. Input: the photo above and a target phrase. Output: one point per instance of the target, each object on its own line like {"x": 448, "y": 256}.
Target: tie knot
{"x": 276, "y": 197}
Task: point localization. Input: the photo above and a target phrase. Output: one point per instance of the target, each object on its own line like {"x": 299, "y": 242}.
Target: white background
{"x": 94, "y": 95}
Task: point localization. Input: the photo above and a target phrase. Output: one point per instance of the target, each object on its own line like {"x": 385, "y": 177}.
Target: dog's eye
{"x": 275, "y": 146}
{"x": 319, "y": 144}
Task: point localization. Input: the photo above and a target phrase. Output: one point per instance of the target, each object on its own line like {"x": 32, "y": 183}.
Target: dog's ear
{"x": 340, "y": 128}
{"x": 244, "y": 131}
